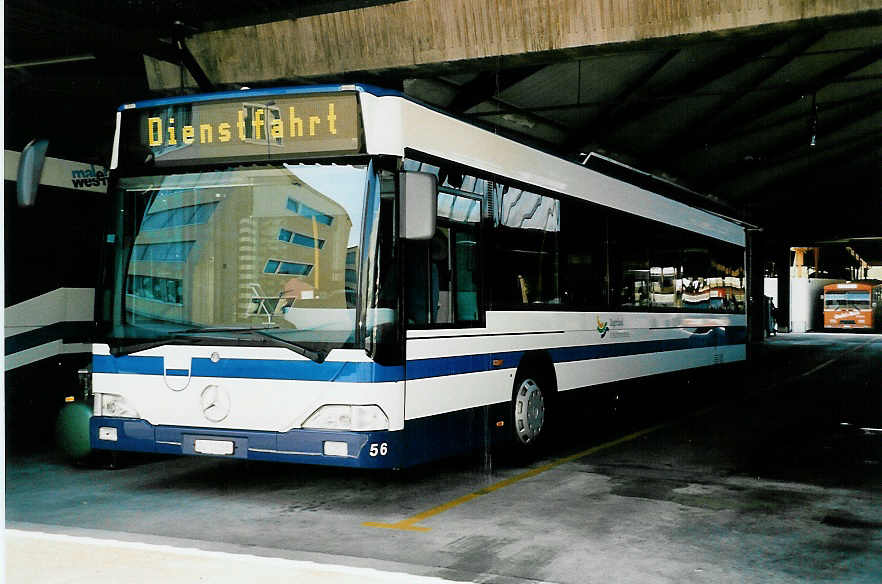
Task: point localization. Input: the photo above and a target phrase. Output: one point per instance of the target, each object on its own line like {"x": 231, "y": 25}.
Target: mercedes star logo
{"x": 215, "y": 403}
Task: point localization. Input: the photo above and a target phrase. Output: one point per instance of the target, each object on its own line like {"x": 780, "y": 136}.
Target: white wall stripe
{"x": 59, "y": 305}
{"x": 45, "y": 351}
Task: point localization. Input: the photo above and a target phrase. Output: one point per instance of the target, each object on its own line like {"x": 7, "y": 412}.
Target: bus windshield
{"x": 842, "y": 300}
{"x": 244, "y": 255}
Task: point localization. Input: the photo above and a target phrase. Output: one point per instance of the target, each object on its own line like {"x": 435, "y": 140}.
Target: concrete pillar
{"x": 782, "y": 257}
{"x": 755, "y": 261}
{"x": 802, "y": 301}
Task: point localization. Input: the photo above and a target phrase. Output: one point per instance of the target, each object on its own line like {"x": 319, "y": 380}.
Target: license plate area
{"x": 218, "y": 447}
{"x": 227, "y": 447}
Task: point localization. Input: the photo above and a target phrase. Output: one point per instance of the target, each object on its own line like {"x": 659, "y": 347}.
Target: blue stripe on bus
{"x": 128, "y": 364}
{"x": 368, "y": 372}
{"x": 253, "y": 368}
{"x": 441, "y": 366}
{"x": 566, "y": 354}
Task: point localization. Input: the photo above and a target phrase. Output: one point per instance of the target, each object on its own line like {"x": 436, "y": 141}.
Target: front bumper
{"x": 378, "y": 449}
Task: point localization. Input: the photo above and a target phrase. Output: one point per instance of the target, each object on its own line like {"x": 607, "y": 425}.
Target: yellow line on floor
{"x": 408, "y": 524}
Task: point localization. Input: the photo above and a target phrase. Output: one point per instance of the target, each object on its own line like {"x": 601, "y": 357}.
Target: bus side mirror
{"x": 419, "y": 205}
{"x": 30, "y": 167}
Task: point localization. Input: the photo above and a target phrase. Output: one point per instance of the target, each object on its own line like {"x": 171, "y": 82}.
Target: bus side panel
{"x": 451, "y": 434}
{"x": 458, "y": 387}
{"x": 573, "y": 375}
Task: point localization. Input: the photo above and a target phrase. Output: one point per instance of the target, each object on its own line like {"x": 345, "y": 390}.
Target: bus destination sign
{"x": 249, "y": 128}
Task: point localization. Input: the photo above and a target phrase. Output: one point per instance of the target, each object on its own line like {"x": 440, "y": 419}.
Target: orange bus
{"x": 853, "y": 305}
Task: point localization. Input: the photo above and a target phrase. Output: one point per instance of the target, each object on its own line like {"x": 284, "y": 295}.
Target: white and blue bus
{"x": 340, "y": 275}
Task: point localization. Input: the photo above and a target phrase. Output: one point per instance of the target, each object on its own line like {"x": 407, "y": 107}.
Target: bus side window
{"x": 525, "y": 253}
{"x": 440, "y": 294}
{"x": 466, "y": 276}
{"x": 453, "y": 276}
{"x": 427, "y": 277}
{"x": 416, "y": 281}
{"x": 583, "y": 256}
{"x": 442, "y": 276}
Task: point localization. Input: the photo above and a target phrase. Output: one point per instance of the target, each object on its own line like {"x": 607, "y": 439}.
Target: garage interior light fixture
{"x": 58, "y": 61}
{"x": 813, "y": 121}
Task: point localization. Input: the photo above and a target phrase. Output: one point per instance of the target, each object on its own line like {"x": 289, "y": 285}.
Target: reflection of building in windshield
{"x": 241, "y": 252}
{"x": 351, "y": 277}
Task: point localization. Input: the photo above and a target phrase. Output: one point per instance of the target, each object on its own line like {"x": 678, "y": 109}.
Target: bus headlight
{"x": 116, "y": 406}
{"x": 84, "y": 376}
{"x": 345, "y": 417}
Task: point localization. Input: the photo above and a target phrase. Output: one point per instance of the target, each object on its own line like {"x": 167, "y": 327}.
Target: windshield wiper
{"x": 121, "y": 350}
{"x": 226, "y": 329}
{"x": 317, "y": 356}
{"x": 182, "y": 337}
{"x": 195, "y": 334}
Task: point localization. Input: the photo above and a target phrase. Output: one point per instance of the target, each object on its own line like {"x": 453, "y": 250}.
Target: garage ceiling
{"x": 779, "y": 126}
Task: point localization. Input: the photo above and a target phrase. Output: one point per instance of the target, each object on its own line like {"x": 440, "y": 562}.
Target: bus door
{"x": 442, "y": 293}
{"x": 442, "y": 273}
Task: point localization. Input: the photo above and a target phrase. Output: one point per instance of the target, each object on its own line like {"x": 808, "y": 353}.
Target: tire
{"x": 529, "y": 411}
{"x": 72, "y": 431}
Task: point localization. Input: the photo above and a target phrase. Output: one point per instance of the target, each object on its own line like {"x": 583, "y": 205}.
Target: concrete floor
{"x": 746, "y": 477}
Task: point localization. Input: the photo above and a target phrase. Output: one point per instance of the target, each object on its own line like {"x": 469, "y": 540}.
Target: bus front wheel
{"x": 529, "y": 410}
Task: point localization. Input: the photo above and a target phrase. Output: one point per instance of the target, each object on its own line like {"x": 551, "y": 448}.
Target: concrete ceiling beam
{"x": 418, "y": 34}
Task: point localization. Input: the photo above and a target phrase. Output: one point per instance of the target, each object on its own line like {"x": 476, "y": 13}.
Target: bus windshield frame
{"x": 185, "y": 257}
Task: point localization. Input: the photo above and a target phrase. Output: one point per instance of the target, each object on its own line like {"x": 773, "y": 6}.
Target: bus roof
{"x": 862, "y": 285}
{"x": 427, "y": 129}
{"x": 261, "y": 92}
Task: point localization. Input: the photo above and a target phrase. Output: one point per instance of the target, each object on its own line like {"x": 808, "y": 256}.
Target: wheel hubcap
{"x": 529, "y": 411}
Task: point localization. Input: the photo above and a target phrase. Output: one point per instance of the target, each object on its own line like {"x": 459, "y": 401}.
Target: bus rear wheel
{"x": 529, "y": 410}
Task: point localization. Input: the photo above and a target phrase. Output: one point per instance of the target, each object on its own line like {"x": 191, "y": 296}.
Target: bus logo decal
{"x": 215, "y": 403}
{"x": 88, "y": 177}
{"x": 602, "y": 327}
